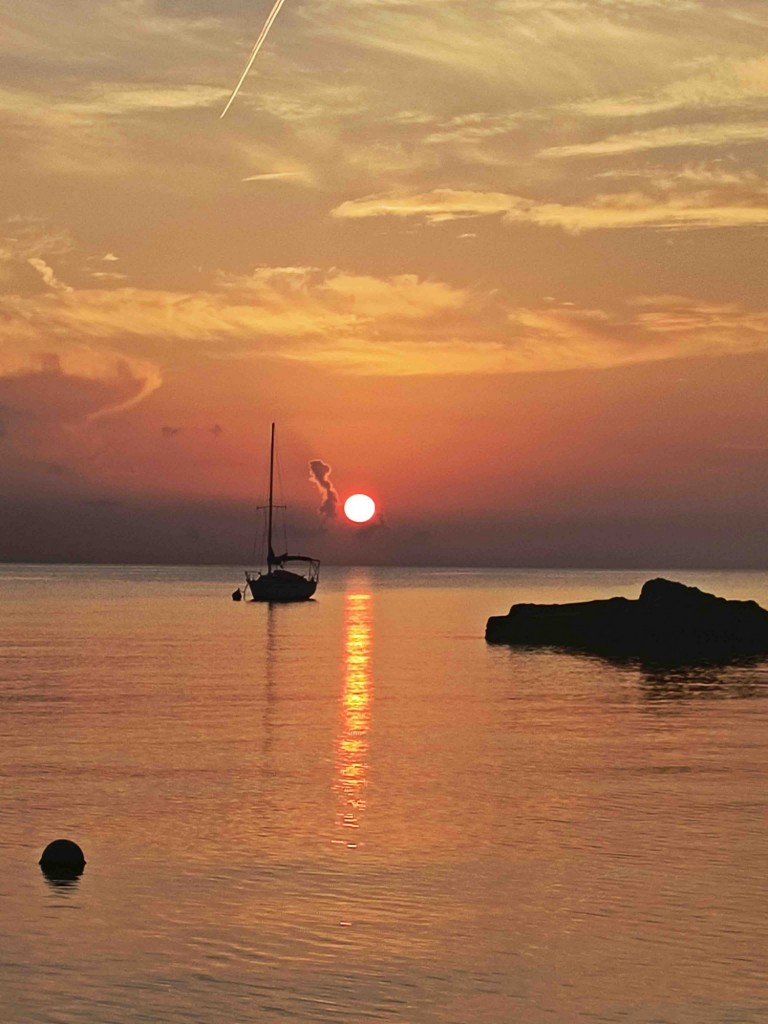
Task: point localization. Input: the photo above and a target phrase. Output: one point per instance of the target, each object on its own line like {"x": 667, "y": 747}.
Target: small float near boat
{"x": 276, "y": 582}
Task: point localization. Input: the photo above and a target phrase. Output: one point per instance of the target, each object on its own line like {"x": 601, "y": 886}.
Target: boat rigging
{"x": 278, "y": 583}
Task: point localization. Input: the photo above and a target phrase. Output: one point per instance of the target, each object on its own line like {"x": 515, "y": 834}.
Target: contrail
{"x": 262, "y": 36}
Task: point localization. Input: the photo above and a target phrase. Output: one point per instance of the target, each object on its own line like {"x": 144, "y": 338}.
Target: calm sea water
{"x": 355, "y": 809}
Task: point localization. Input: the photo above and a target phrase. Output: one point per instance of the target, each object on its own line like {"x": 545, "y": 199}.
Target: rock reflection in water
{"x": 739, "y": 679}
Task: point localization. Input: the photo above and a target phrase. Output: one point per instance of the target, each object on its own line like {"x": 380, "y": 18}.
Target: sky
{"x": 499, "y": 263}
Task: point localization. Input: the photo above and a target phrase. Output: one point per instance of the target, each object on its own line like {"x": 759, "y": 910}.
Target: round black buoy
{"x": 62, "y": 858}
{"x": 237, "y": 595}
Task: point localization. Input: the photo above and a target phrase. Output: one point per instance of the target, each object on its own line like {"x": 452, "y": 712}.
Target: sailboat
{"x": 278, "y": 583}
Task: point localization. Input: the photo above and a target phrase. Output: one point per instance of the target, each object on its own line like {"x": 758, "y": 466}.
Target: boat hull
{"x": 279, "y": 587}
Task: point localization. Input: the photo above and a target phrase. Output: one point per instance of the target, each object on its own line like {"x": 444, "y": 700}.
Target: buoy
{"x": 237, "y": 595}
{"x": 62, "y": 857}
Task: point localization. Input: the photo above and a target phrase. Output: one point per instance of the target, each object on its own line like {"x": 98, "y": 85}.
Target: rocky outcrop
{"x": 669, "y": 621}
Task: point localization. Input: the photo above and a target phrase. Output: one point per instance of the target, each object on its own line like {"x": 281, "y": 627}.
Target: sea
{"x": 355, "y": 809}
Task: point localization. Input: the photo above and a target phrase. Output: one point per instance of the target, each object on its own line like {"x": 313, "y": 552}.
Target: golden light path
{"x": 355, "y": 716}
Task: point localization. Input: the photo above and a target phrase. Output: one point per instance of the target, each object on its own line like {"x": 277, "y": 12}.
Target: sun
{"x": 359, "y": 508}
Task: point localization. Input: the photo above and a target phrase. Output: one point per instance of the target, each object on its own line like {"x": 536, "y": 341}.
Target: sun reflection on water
{"x": 351, "y": 777}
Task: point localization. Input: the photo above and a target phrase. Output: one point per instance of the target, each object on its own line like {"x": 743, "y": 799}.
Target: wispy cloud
{"x": 653, "y": 329}
{"x": 694, "y": 209}
{"x": 667, "y": 137}
{"x": 24, "y": 238}
{"x": 723, "y": 84}
{"x": 678, "y": 314}
{"x": 442, "y": 204}
{"x": 83, "y": 383}
{"x": 478, "y": 113}
{"x": 356, "y": 324}
{"x": 288, "y": 312}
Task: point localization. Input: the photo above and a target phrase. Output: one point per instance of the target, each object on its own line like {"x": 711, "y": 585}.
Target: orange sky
{"x": 499, "y": 263}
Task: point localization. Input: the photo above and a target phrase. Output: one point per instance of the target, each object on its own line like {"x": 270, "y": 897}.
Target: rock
{"x": 62, "y": 857}
{"x": 669, "y": 621}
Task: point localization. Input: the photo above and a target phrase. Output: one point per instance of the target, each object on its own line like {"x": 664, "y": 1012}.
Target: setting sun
{"x": 359, "y": 508}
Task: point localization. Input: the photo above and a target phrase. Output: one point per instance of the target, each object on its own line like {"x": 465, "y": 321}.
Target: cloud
{"x": 527, "y": 48}
{"x": 246, "y": 311}
{"x": 74, "y": 384}
{"x": 291, "y": 313}
{"x": 350, "y": 324}
{"x": 724, "y": 84}
{"x": 650, "y": 329}
{"x": 666, "y": 137}
{"x": 699, "y": 208}
{"x": 442, "y": 204}
{"x": 320, "y": 476}
{"x": 453, "y": 94}
{"x": 635, "y": 210}
{"x": 84, "y": 131}
{"x": 714, "y": 174}
{"x": 93, "y": 105}
{"x": 675, "y": 315}
{"x": 29, "y": 242}
{"x": 24, "y": 238}
{"x": 48, "y": 275}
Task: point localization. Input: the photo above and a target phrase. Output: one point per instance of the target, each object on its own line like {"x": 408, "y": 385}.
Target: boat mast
{"x": 271, "y": 477}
